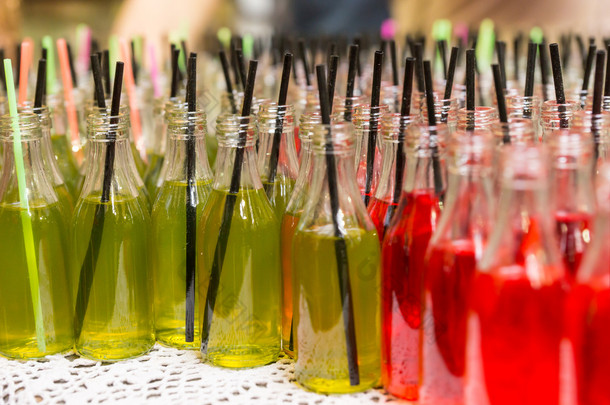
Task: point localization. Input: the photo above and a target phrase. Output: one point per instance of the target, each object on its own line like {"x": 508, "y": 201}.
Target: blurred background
{"x": 155, "y": 19}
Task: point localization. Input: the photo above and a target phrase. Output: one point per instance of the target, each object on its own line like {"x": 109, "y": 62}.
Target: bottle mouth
{"x": 102, "y": 127}
{"x": 235, "y": 131}
{"x": 338, "y": 137}
{"x": 27, "y": 122}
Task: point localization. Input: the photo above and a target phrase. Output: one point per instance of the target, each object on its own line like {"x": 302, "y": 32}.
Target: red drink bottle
{"x": 451, "y": 259}
{"x": 516, "y": 325}
{"x": 589, "y": 307}
{"x": 384, "y": 204}
{"x": 572, "y": 192}
{"x": 403, "y": 252}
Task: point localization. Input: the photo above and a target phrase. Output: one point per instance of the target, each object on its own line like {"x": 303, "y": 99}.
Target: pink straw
{"x": 85, "y": 50}
{"x": 154, "y": 70}
{"x": 136, "y": 126}
{"x": 26, "y": 57}
{"x": 66, "y": 78}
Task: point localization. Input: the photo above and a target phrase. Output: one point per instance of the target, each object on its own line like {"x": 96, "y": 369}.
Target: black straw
{"x": 279, "y": 124}
{"x": 557, "y": 75}
{"x": 501, "y": 50}
{"x": 40, "y": 83}
{"x": 442, "y": 49}
{"x": 89, "y": 265}
{"x": 372, "y": 138}
{"x": 394, "y": 62}
{"x": 333, "y": 66}
{"x": 419, "y": 67}
{"x": 241, "y": 65}
{"x": 106, "y": 71}
{"x": 71, "y": 63}
{"x": 191, "y": 203}
{"x": 598, "y": 82}
{"x": 343, "y": 275}
{"x": 227, "y": 216}
{"x": 351, "y": 77}
{"x": 607, "y": 81}
{"x": 588, "y": 67}
{"x": 436, "y": 165}
{"x": 303, "y": 55}
{"x": 174, "y": 84}
{"x": 530, "y": 69}
{"x": 516, "y": 54}
{"x": 500, "y": 100}
{"x": 451, "y": 72}
{"x": 134, "y": 62}
{"x": 470, "y": 93}
{"x": 407, "y": 87}
{"x": 98, "y": 86}
{"x": 225, "y": 70}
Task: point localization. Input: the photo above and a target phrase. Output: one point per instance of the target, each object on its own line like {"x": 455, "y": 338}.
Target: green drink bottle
{"x": 60, "y": 142}
{"x": 158, "y": 147}
{"x": 239, "y": 260}
{"x": 169, "y": 230}
{"x": 35, "y": 296}
{"x": 336, "y": 274}
{"x": 114, "y": 313}
{"x": 290, "y": 219}
{"x": 278, "y": 168}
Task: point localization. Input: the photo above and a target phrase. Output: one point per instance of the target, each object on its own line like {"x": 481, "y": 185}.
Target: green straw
{"x": 114, "y": 52}
{"x": 26, "y": 219}
{"x": 47, "y": 43}
{"x": 485, "y": 45}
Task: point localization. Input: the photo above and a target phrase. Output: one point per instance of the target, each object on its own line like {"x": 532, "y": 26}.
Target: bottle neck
{"x": 276, "y": 122}
{"x": 425, "y": 169}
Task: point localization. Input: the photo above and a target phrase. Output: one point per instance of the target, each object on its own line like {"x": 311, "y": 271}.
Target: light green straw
{"x": 47, "y": 43}
{"x": 485, "y": 45}
{"x": 26, "y": 219}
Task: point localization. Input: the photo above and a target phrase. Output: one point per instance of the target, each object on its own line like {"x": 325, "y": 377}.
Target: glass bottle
{"x": 158, "y": 147}
{"x": 277, "y": 121}
{"x": 61, "y": 143}
{"x": 36, "y": 316}
{"x": 168, "y": 107}
{"x": 446, "y": 111}
{"x": 455, "y": 247}
{"x": 525, "y": 107}
{"x": 335, "y": 263}
{"x": 572, "y": 194}
{"x": 479, "y": 118}
{"x": 403, "y": 252}
{"x": 367, "y": 121}
{"x": 517, "y": 298}
{"x": 113, "y": 317}
{"x": 345, "y": 107}
{"x": 239, "y": 259}
{"x": 382, "y": 206}
{"x": 94, "y": 116}
{"x": 557, "y": 116}
{"x": 588, "y": 306}
{"x": 169, "y": 230}
{"x": 597, "y": 126}
{"x": 290, "y": 219}
{"x": 48, "y": 159}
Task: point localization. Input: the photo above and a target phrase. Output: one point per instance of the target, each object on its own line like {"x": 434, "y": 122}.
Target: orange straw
{"x": 66, "y": 78}
{"x": 26, "y": 58}
{"x": 134, "y": 112}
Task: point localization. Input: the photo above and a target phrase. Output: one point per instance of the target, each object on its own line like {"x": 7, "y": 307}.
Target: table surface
{"x": 163, "y": 376}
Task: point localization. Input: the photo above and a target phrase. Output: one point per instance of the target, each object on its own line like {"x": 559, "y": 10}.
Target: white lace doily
{"x": 164, "y": 376}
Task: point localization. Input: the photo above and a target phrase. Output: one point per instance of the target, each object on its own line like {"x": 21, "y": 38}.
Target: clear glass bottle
{"x": 451, "y": 257}
{"x": 525, "y": 107}
{"x": 517, "y": 296}
{"x": 277, "y": 121}
{"x": 48, "y": 158}
{"x": 596, "y": 126}
{"x": 588, "y": 306}
{"x": 382, "y": 206}
{"x": 114, "y": 308}
{"x": 335, "y": 263}
{"x": 403, "y": 253}
{"x": 176, "y": 204}
{"x": 345, "y": 107}
{"x": 36, "y": 301}
{"x": 290, "y": 219}
{"x": 61, "y": 143}
{"x": 239, "y": 258}
{"x": 157, "y": 149}
{"x": 446, "y": 111}
{"x": 367, "y": 121}
{"x": 479, "y": 118}
{"x": 573, "y": 196}
{"x": 557, "y": 116}
{"x": 94, "y": 116}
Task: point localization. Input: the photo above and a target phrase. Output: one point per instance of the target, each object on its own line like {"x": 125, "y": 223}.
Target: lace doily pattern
{"x": 163, "y": 376}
